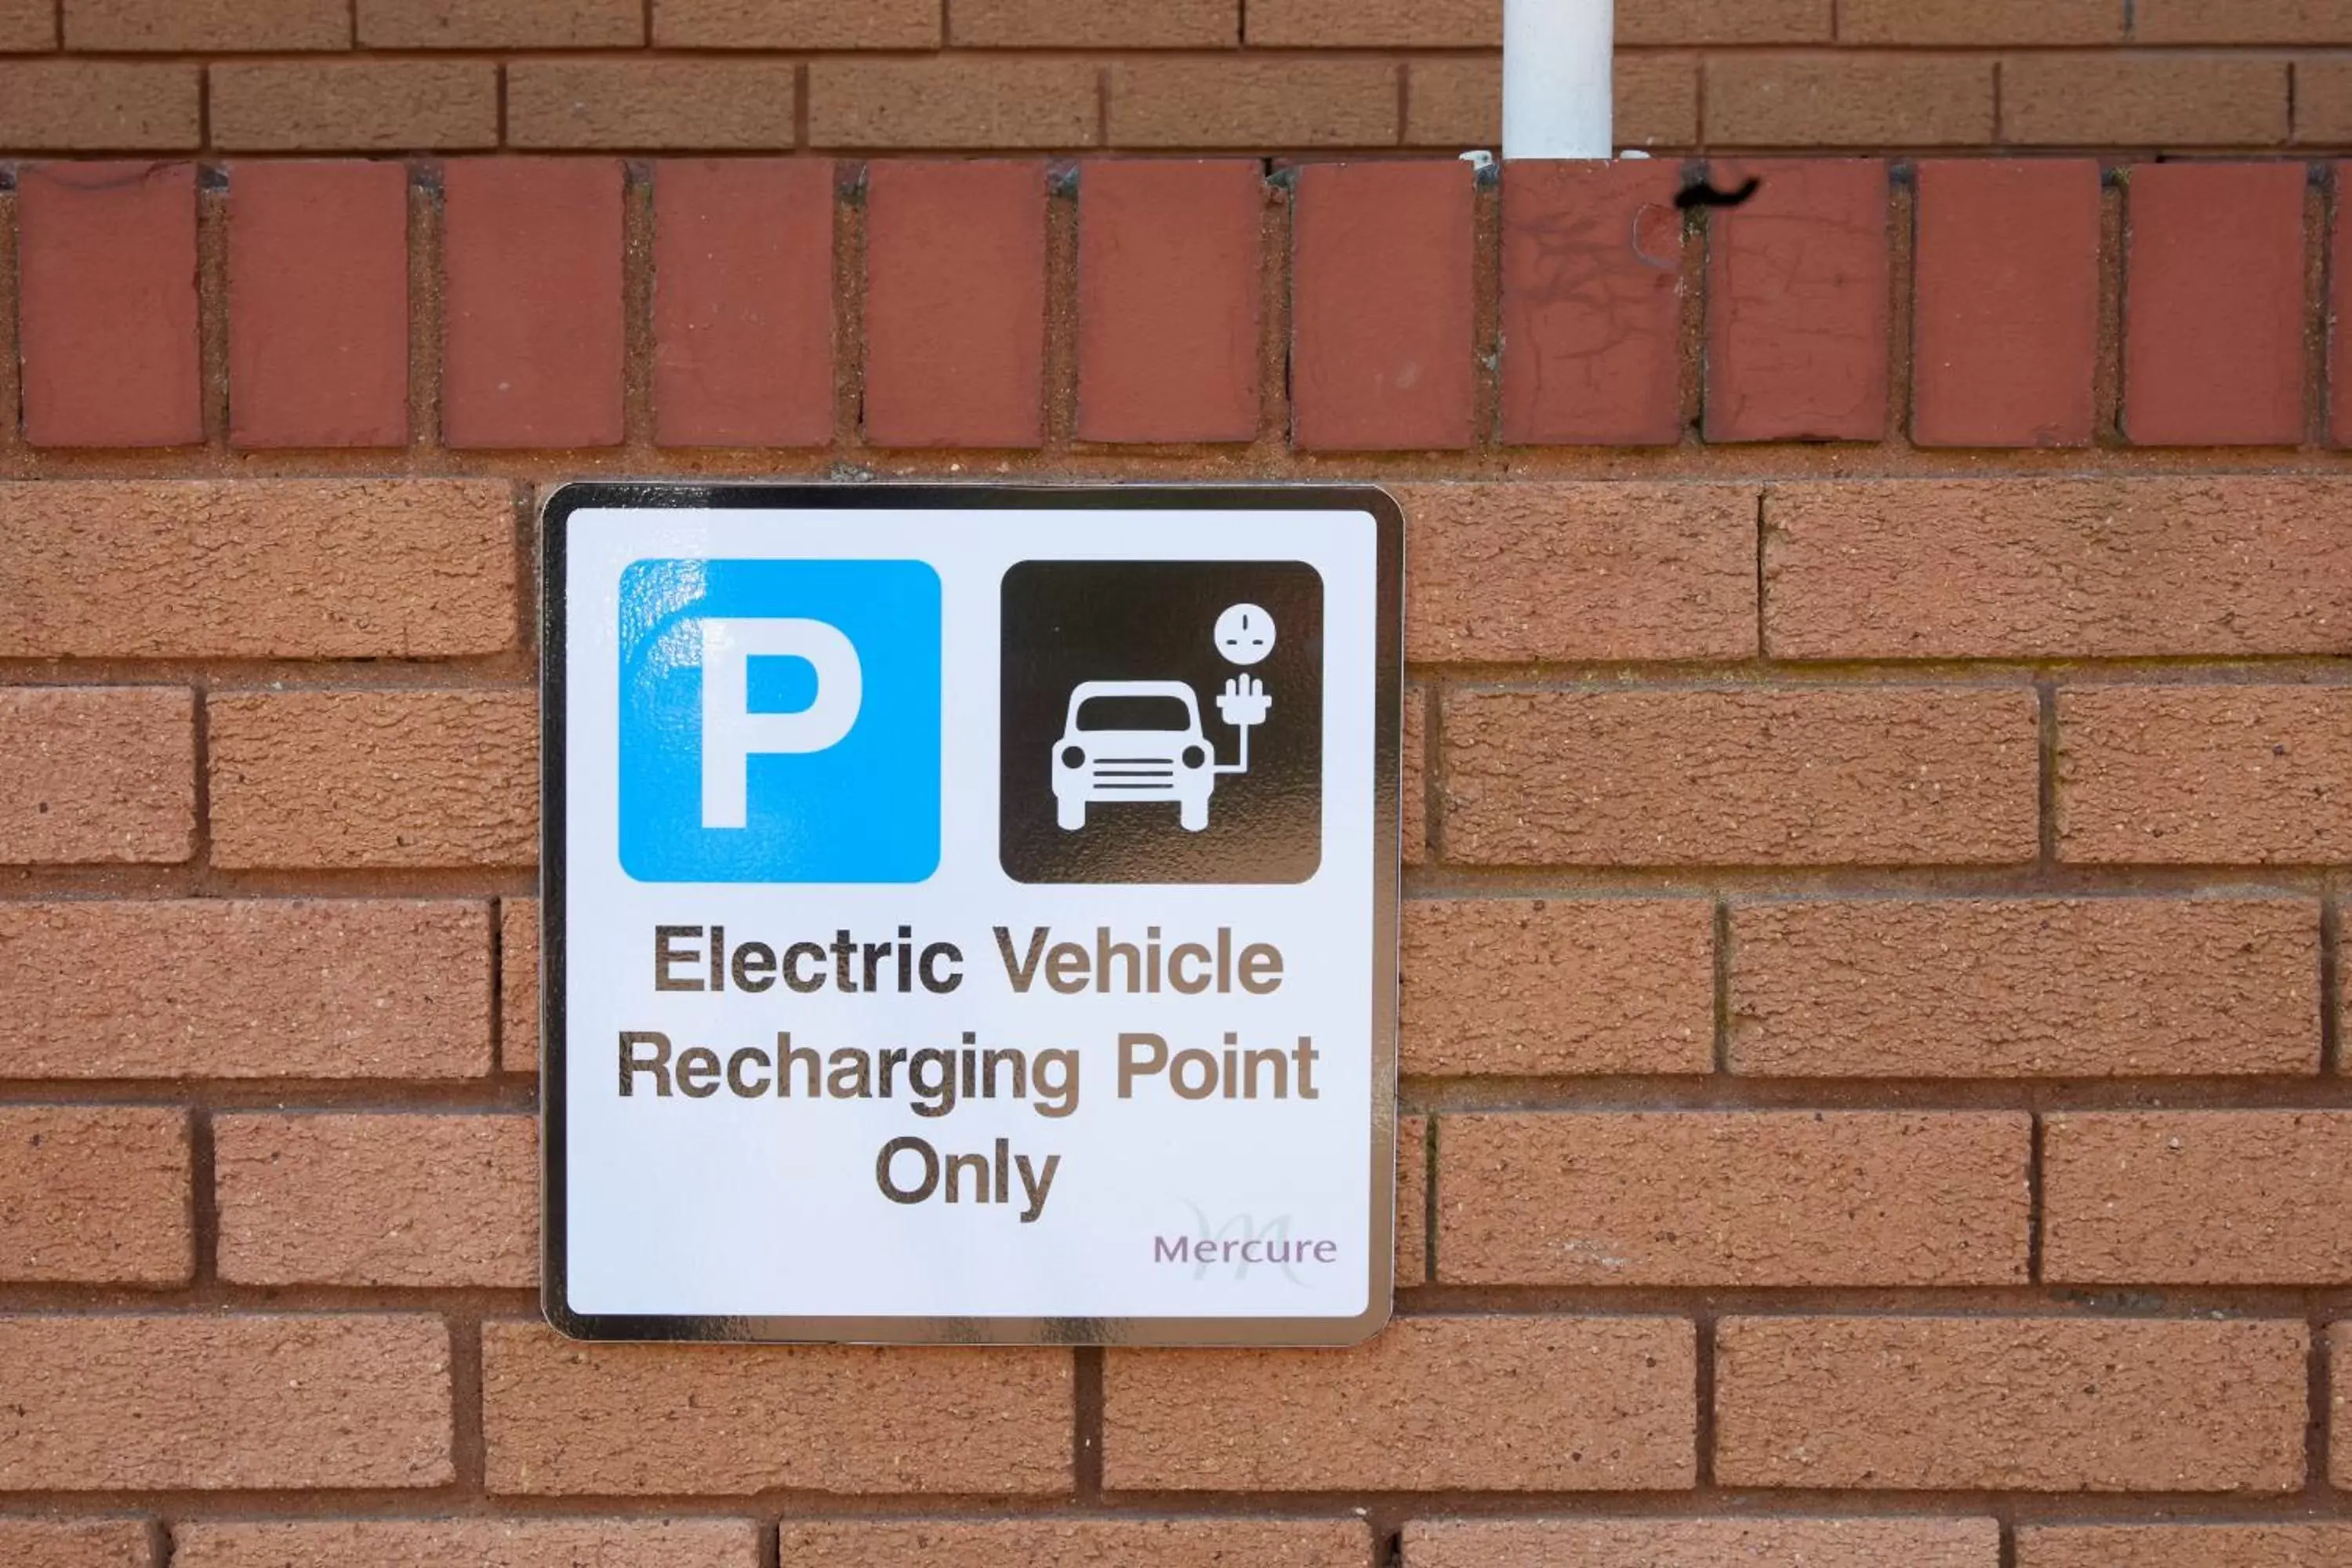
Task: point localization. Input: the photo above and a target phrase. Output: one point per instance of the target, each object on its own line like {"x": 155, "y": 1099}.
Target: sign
{"x": 969, "y": 914}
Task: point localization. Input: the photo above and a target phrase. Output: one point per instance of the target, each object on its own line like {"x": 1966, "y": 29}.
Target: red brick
{"x": 1797, "y": 1197}
{"x": 94, "y": 1194}
{"x": 2339, "y": 1399}
{"x": 2213, "y": 324}
{"x": 2036, "y": 568}
{"x": 91, "y": 774}
{"x": 796, "y": 24}
{"x": 2231, "y": 1198}
{"x": 532, "y": 332}
{"x": 2189, "y": 1544}
{"x": 106, "y": 258}
{"x": 374, "y": 778}
{"x": 1913, "y": 776}
{"x": 954, "y": 101}
{"x": 1798, "y": 304}
{"x": 1512, "y": 573}
{"x": 28, "y": 24}
{"x": 2135, "y": 97}
{"x": 2243, "y": 22}
{"x": 2014, "y": 1404}
{"x": 519, "y": 984}
{"x": 705, "y": 1420}
{"x": 1247, "y": 102}
{"x": 1702, "y": 1542}
{"x": 1962, "y": 988}
{"x": 365, "y": 105}
{"x": 955, "y": 304}
{"x": 483, "y": 1542}
{"x": 332, "y": 988}
{"x": 206, "y": 25}
{"x": 1487, "y": 1403}
{"x": 1848, "y": 98}
{"x": 1591, "y": 302}
{"x": 2339, "y": 309}
{"x": 1505, "y": 986}
{"x": 317, "y": 305}
{"x": 2210, "y": 774}
{"x": 499, "y": 23}
{"x": 1412, "y": 1201}
{"x": 256, "y": 568}
{"x": 419, "y": 1200}
{"x": 694, "y": 103}
{"x": 1097, "y": 24}
{"x": 1078, "y": 1543}
{"x": 1978, "y": 23}
{"x": 1170, "y": 300}
{"x": 2007, "y": 303}
{"x": 1375, "y": 24}
{"x": 743, "y": 303}
{"x": 1414, "y": 817}
{"x": 1381, "y": 301}
{"x": 1647, "y": 21}
{"x": 207, "y": 1403}
{"x": 68, "y": 105}
{"x": 76, "y": 1544}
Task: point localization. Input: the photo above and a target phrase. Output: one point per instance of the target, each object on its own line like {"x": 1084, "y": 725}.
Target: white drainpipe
{"x": 1557, "y": 55}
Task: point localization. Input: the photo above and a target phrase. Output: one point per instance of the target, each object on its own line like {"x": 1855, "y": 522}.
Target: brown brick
{"x": 1962, "y": 988}
{"x": 1644, "y": 21}
{"x": 519, "y": 984}
{"x": 1964, "y": 23}
{"x": 195, "y": 27}
{"x": 499, "y": 23}
{"x": 2339, "y": 1400}
{"x": 703, "y": 1420}
{"x": 418, "y": 1200}
{"x": 1514, "y": 574}
{"x": 353, "y": 106}
{"x": 1702, "y": 1542}
{"x": 71, "y": 105}
{"x": 955, "y": 303}
{"x": 2239, "y": 774}
{"x": 76, "y": 1544}
{"x": 28, "y": 26}
{"x": 1489, "y": 1403}
{"x": 318, "y": 303}
{"x": 1457, "y": 102}
{"x": 481, "y": 1543}
{"x": 106, "y": 259}
{"x": 2241, "y": 22}
{"x": 1079, "y": 1544}
{"x": 1414, "y": 812}
{"x": 1799, "y": 1197}
{"x": 1375, "y": 24}
{"x": 796, "y": 24}
{"x": 1657, "y": 101}
{"x": 94, "y": 1194}
{"x": 533, "y": 326}
{"x": 1413, "y": 1200}
{"x": 1916, "y": 776}
{"x": 1251, "y": 103}
{"x": 2323, "y": 109}
{"x": 953, "y": 101}
{"x": 1095, "y": 23}
{"x": 2035, "y": 568}
{"x": 256, "y": 568}
{"x": 1849, "y": 100}
{"x": 715, "y": 104}
{"x": 97, "y": 773}
{"x": 2337, "y": 395}
{"x": 207, "y": 1403}
{"x": 2129, "y": 98}
{"x": 1505, "y": 986}
{"x": 2014, "y": 1404}
{"x": 374, "y": 778}
{"x": 2224, "y": 1197}
{"x": 2185, "y": 1545}
{"x": 325, "y": 988}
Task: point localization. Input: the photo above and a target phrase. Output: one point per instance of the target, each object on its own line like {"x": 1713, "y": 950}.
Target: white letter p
{"x": 733, "y": 734}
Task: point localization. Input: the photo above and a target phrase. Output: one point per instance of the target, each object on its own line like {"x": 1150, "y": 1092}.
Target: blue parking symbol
{"x": 779, "y": 721}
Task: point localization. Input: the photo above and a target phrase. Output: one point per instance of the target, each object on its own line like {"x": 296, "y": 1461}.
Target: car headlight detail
{"x": 1074, "y": 757}
{"x": 1195, "y": 757}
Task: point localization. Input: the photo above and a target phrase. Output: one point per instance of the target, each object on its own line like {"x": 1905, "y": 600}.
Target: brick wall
{"x": 342, "y": 76}
{"x": 1880, "y": 735}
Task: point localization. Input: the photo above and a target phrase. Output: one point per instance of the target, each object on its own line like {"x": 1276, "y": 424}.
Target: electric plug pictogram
{"x": 1244, "y": 701}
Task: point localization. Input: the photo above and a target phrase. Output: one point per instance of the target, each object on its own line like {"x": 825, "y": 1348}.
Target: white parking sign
{"x": 971, "y": 912}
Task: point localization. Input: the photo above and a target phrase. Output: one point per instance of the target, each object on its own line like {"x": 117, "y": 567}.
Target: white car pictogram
{"x": 1128, "y": 740}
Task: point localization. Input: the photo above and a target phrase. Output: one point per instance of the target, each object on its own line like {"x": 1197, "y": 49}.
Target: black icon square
{"x": 1161, "y": 721}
